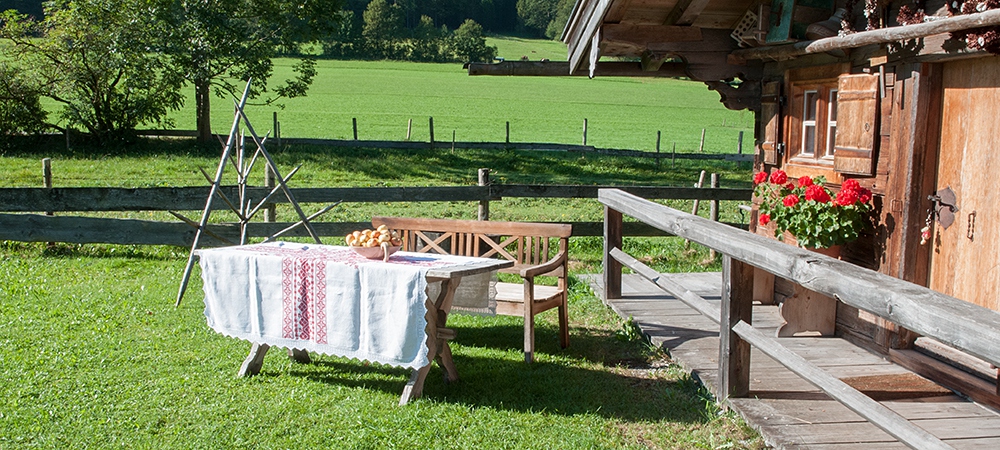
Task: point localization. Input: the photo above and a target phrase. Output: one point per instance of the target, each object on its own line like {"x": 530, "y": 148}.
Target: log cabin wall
{"x": 904, "y": 155}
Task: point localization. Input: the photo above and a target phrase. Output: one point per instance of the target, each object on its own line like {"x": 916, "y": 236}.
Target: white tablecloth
{"x": 329, "y": 299}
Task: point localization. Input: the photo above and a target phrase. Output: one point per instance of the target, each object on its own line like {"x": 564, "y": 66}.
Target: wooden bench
{"x": 529, "y": 245}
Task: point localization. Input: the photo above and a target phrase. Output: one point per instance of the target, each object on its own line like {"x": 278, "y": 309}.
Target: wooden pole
{"x": 271, "y": 212}
{"x": 657, "y": 149}
{"x": 701, "y": 147}
{"x": 508, "y": 132}
{"x": 673, "y": 154}
{"x": 713, "y": 214}
{"x": 47, "y": 180}
{"x": 737, "y": 306}
{"x": 409, "y": 127}
{"x": 739, "y": 144}
{"x": 697, "y": 203}
{"x": 430, "y": 126}
{"x": 277, "y": 133}
{"x": 584, "y": 131}
{"x": 484, "y": 205}
{"x": 612, "y": 267}
{"x": 354, "y": 123}
{"x": 452, "y": 140}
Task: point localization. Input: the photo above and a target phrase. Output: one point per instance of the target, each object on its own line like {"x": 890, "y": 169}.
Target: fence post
{"x": 453, "y": 141}
{"x": 430, "y": 125}
{"x": 47, "y": 180}
{"x": 270, "y": 213}
{"x": 657, "y": 149}
{"x": 713, "y": 214}
{"x": 584, "y": 131}
{"x": 697, "y": 203}
{"x": 277, "y": 131}
{"x": 737, "y": 306}
{"x": 612, "y": 267}
{"x": 739, "y": 144}
{"x": 701, "y": 147}
{"x": 409, "y": 127}
{"x": 354, "y": 124}
{"x": 484, "y": 205}
{"x": 508, "y": 132}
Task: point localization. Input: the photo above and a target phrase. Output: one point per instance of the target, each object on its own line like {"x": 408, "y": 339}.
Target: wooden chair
{"x": 528, "y": 244}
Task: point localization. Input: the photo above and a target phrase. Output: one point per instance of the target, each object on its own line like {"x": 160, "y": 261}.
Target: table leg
{"x": 299, "y": 356}
{"x": 251, "y": 366}
{"x": 437, "y": 342}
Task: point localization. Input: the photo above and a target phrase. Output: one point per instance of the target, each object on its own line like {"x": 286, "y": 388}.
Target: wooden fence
{"x": 76, "y": 229}
{"x": 959, "y": 324}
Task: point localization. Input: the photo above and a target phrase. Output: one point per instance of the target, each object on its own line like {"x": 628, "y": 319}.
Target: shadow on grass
{"x": 557, "y": 383}
{"x": 64, "y": 250}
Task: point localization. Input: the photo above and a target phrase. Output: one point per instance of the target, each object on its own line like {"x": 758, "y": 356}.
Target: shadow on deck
{"x": 787, "y": 410}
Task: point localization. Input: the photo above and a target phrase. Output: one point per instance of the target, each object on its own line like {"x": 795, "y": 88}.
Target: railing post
{"x": 737, "y": 306}
{"x": 484, "y": 205}
{"x": 612, "y": 268}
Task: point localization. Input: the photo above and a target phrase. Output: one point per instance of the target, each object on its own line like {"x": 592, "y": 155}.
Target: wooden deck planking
{"x": 789, "y": 411}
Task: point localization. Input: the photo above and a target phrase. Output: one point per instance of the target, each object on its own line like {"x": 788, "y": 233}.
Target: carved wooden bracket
{"x": 744, "y": 96}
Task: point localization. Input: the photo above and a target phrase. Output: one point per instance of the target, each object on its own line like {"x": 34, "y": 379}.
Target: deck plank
{"x": 789, "y": 411}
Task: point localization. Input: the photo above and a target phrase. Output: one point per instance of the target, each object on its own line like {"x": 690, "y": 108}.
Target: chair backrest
{"x": 525, "y": 243}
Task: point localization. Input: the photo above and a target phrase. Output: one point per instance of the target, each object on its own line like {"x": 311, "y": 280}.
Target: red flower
{"x": 864, "y": 195}
{"x": 805, "y": 181}
{"x": 851, "y": 185}
{"x": 759, "y": 177}
{"x": 847, "y": 197}
{"x": 765, "y": 218}
{"x": 790, "y": 186}
{"x": 790, "y": 200}
{"x": 779, "y": 177}
{"x": 817, "y": 193}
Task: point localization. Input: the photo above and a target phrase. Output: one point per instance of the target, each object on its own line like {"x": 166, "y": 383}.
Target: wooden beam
{"x": 685, "y": 12}
{"x": 642, "y": 35}
{"x": 561, "y": 69}
{"x": 580, "y": 42}
{"x": 882, "y": 417}
{"x": 959, "y": 324}
{"x": 612, "y": 267}
{"x": 881, "y": 36}
{"x": 737, "y": 307}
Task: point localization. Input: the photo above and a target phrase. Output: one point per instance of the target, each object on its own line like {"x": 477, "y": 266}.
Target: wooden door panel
{"x": 965, "y": 261}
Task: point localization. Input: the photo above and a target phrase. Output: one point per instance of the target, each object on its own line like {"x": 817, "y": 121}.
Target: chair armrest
{"x": 545, "y": 267}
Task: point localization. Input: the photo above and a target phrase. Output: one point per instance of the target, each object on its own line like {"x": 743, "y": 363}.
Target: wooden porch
{"x": 789, "y": 411}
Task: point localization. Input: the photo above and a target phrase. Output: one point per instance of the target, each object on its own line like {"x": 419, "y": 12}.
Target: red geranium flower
{"x": 847, "y": 197}
{"x": 805, "y": 181}
{"x": 790, "y": 186}
{"x": 864, "y": 195}
{"x": 850, "y": 184}
{"x": 759, "y": 177}
{"x": 790, "y": 200}
{"x": 765, "y": 218}
{"x": 779, "y": 177}
{"x": 817, "y": 193}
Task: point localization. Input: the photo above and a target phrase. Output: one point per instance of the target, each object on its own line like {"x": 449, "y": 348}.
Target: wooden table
{"x": 436, "y": 331}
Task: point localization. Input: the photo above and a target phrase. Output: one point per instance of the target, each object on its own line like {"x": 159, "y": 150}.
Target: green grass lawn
{"x": 384, "y": 95}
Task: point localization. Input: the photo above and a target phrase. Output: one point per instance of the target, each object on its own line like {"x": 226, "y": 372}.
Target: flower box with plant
{"x": 809, "y": 211}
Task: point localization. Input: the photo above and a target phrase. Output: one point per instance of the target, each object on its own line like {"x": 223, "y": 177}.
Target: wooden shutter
{"x": 770, "y": 117}
{"x": 857, "y": 124}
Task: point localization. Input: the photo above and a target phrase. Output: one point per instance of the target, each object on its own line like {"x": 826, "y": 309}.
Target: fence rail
{"x": 962, "y": 325}
{"x": 76, "y": 229}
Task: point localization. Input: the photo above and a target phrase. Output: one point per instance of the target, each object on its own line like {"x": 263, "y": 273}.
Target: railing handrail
{"x": 957, "y": 323}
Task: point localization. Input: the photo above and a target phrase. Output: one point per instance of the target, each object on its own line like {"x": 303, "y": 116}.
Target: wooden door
{"x": 965, "y": 257}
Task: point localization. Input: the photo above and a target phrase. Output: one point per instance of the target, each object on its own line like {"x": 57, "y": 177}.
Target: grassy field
{"x": 96, "y": 356}
{"x": 384, "y": 95}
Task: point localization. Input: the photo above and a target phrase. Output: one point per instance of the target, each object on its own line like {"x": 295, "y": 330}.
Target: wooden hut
{"x": 900, "y": 96}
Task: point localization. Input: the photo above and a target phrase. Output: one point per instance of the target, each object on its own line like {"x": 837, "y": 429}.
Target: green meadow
{"x": 384, "y": 96}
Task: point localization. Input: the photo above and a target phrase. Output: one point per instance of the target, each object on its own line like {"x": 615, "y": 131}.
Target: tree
{"x": 427, "y": 42}
{"x": 88, "y": 55}
{"x": 555, "y": 28}
{"x": 536, "y": 14}
{"x": 20, "y": 104}
{"x": 217, "y": 45}
{"x": 383, "y": 28}
{"x": 469, "y": 45}
{"x": 347, "y": 42}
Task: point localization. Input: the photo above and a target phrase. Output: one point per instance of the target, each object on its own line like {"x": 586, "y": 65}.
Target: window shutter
{"x": 857, "y": 124}
{"x": 770, "y": 113}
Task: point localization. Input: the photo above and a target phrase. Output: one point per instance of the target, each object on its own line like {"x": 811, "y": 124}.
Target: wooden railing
{"x": 77, "y": 229}
{"x": 959, "y": 324}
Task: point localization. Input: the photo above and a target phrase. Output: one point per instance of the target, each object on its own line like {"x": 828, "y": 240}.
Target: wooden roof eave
{"x": 584, "y": 23}
{"x": 863, "y": 38}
